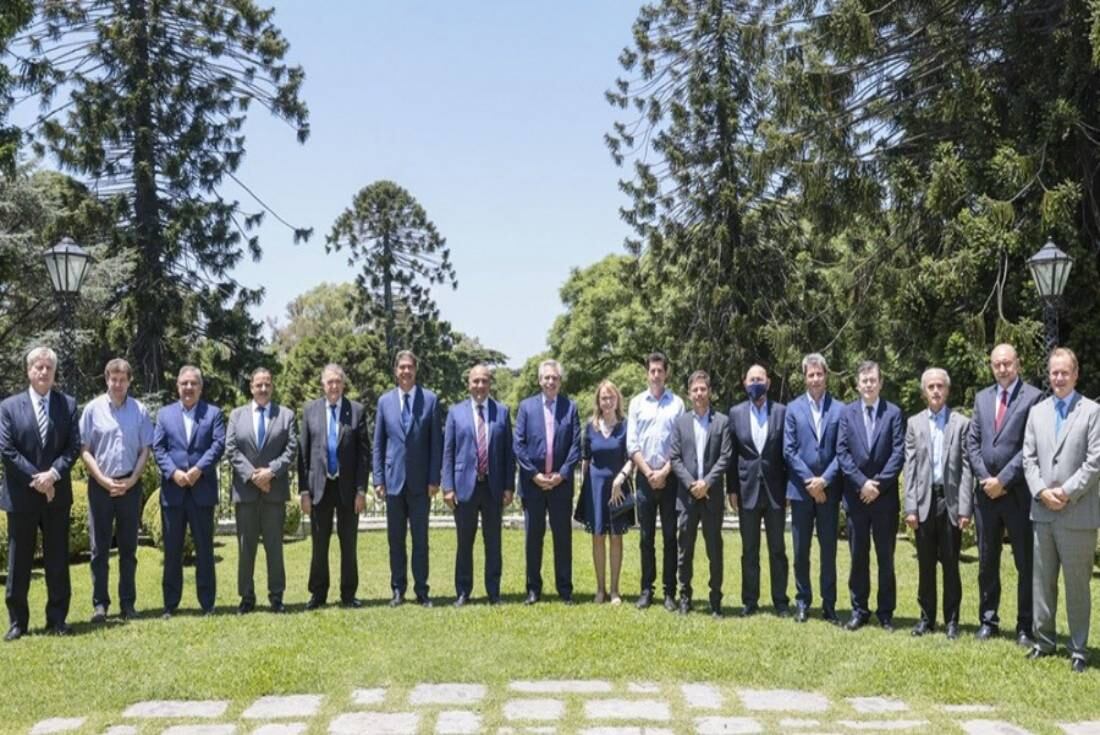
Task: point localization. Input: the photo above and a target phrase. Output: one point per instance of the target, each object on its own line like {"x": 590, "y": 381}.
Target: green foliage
{"x": 13, "y": 16}
{"x": 80, "y": 541}
{"x": 152, "y": 523}
{"x": 292, "y": 524}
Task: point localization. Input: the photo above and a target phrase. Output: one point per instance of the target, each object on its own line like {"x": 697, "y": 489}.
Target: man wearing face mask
{"x": 757, "y": 482}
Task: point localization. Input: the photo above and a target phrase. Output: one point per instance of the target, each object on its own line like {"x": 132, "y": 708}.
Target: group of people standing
{"x": 1021, "y": 465}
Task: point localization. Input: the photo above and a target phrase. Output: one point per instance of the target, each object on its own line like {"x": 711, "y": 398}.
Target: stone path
{"x": 589, "y": 707}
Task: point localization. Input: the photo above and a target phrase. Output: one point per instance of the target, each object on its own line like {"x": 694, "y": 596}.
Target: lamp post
{"x": 1050, "y": 268}
{"x": 67, "y": 263}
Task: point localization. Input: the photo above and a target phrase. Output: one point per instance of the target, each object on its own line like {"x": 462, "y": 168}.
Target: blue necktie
{"x": 1059, "y": 416}
{"x": 870, "y": 424}
{"x": 406, "y": 414}
{"x": 333, "y": 462}
{"x": 261, "y": 430}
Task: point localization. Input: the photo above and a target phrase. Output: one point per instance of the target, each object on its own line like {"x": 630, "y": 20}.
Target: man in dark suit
{"x": 262, "y": 445}
{"x": 333, "y": 459}
{"x": 408, "y": 452}
{"x": 700, "y": 452}
{"x": 757, "y": 483}
{"x": 939, "y": 499}
{"x": 995, "y": 444}
{"x": 871, "y": 452}
{"x": 548, "y": 447}
{"x": 188, "y": 443}
{"x": 814, "y": 485}
{"x": 479, "y": 476}
{"x": 39, "y": 441}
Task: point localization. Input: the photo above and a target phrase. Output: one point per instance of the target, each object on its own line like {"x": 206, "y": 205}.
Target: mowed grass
{"x": 103, "y": 669}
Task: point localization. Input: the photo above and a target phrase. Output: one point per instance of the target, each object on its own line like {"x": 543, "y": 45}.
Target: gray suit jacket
{"x": 1071, "y": 461}
{"x": 716, "y": 454}
{"x": 958, "y": 481}
{"x": 277, "y": 454}
{"x": 353, "y": 450}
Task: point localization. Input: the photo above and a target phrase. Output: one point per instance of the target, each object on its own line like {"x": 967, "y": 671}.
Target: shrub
{"x": 153, "y": 524}
{"x": 80, "y": 541}
{"x": 293, "y": 523}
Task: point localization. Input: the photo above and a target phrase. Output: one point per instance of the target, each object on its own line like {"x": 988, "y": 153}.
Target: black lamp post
{"x": 67, "y": 263}
{"x": 1050, "y": 268}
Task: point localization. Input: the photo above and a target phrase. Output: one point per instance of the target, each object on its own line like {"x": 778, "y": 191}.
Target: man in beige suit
{"x": 939, "y": 498}
{"x": 1062, "y": 466}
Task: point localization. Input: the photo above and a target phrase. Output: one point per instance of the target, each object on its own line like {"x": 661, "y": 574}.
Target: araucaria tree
{"x": 146, "y": 99}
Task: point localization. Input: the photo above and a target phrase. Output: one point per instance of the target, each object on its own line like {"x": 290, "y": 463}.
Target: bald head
{"x": 1005, "y": 364}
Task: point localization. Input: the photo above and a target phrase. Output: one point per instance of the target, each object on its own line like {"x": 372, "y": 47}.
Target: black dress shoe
{"x": 952, "y": 631}
{"x": 568, "y": 600}
{"x": 398, "y": 598}
{"x": 685, "y": 605}
{"x": 14, "y": 633}
{"x": 715, "y": 611}
{"x": 352, "y": 603}
{"x": 129, "y": 613}
{"x": 749, "y": 610}
{"x": 532, "y": 598}
{"x": 887, "y": 625}
{"x": 495, "y": 600}
{"x": 99, "y": 614}
{"x": 830, "y": 616}
{"x": 985, "y": 632}
{"x": 278, "y": 607}
{"x": 801, "y": 614}
{"x": 246, "y": 607}
{"x": 1024, "y": 640}
{"x": 462, "y": 599}
{"x": 644, "y": 600}
{"x": 783, "y": 611}
{"x": 61, "y": 629}
{"x": 315, "y": 603}
{"x": 923, "y": 627}
{"x": 1077, "y": 665}
{"x": 423, "y": 601}
{"x": 1037, "y": 653}
{"x": 855, "y": 623}
{"x": 208, "y": 612}
{"x": 670, "y": 603}
{"x": 168, "y": 613}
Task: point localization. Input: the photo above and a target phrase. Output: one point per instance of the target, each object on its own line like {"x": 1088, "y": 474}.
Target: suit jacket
{"x": 530, "y": 442}
{"x": 174, "y": 452}
{"x": 881, "y": 461}
{"x": 24, "y": 454}
{"x": 716, "y": 453}
{"x": 809, "y": 455}
{"x": 958, "y": 481}
{"x": 278, "y": 453}
{"x": 757, "y": 478}
{"x": 352, "y": 450}
{"x": 1000, "y": 453}
{"x": 460, "y": 450}
{"x": 408, "y": 459}
{"x": 1071, "y": 461}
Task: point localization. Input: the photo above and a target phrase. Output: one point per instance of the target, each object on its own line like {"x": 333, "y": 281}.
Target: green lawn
{"x": 103, "y": 669}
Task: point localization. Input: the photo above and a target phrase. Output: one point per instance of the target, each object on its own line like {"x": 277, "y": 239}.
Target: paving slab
{"x": 534, "y": 709}
{"x": 375, "y": 723}
{"x": 877, "y": 705}
{"x": 281, "y": 728}
{"x": 458, "y": 722}
{"x": 177, "y": 709}
{"x": 368, "y": 697}
{"x": 782, "y": 700}
{"x": 200, "y": 730}
{"x": 702, "y": 696}
{"x": 653, "y": 710}
{"x": 962, "y": 709}
{"x": 121, "y": 730}
{"x": 423, "y": 694}
{"x": 561, "y": 686}
{"x": 727, "y": 726}
{"x": 991, "y": 727}
{"x": 882, "y": 725}
{"x": 626, "y": 731}
{"x": 798, "y": 723}
{"x": 57, "y": 724}
{"x": 284, "y": 706}
{"x": 1080, "y": 728}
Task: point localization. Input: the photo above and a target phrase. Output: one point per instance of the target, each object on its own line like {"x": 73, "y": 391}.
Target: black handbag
{"x": 627, "y": 506}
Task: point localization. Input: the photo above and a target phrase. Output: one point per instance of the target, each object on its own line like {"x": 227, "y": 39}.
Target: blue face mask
{"x": 756, "y": 391}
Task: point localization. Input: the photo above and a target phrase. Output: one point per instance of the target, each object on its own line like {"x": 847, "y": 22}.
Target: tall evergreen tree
{"x": 157, "y": 92}
{"x": 14, "y": 14}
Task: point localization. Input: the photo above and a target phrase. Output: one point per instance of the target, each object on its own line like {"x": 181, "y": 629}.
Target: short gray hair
{"x": 814, "y": 359}
{"x": 39, "y": 353}
{"x": 334, "y": 368}
{"x": 867, "y": 366}
{"x": 189, "y": 369}
{"x": 550, "y": 364}
{"x": 933, "y": 372}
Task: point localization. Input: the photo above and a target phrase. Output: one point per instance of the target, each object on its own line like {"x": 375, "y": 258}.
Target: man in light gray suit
{"x": 261, "y": 443}
{"x": 1062, "y": 468}
{"x": 700, "y": 452}
{"x": 939, "y": 498}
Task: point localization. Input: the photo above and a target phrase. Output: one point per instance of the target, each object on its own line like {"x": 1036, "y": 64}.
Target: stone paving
{"x": 589, "y": 707}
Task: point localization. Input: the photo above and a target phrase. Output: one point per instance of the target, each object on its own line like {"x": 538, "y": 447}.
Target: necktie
{"x": 406, "y": 414}
{"x": 482, "y": 442}
{"x": 43, "y": 419}
{"x": 1059, "y": 416}
{"x": 1002, "y": 408}
{"x": 870, "y": 424}
{"x": 816, "y": 414}
{"x": 261, "y": 430}
{"x": 333, "y": 462}
{"x": 549, "y": 415}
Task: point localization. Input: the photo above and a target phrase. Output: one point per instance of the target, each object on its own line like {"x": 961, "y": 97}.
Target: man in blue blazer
{"x": 814, "y": 485}
{"x": 548, "y": 447}
{"x": 757, "y": 484}
{"x": 871, "y": 452}
{"x": 188, "y": 442}
{"x": 1002, "y": 502}
{"x": 39, "y": 441}
{"x": 479, "y": 476}
{"x": 408, "y": 452}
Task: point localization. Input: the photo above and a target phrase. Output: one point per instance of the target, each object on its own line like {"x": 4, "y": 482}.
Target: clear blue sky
{"x": 490, "y": 113}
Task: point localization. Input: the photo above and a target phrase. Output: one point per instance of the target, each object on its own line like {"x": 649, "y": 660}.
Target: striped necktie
{"x": 43, "y": 419}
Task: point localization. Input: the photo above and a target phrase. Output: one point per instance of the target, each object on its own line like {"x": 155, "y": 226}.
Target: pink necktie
{"x": 482, "y": 442}
{"x": 549, "y": 415}
{"x": 1002, "y": 408}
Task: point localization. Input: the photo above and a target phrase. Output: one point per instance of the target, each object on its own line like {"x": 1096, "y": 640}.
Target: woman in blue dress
{"x": 605, "y": 468}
